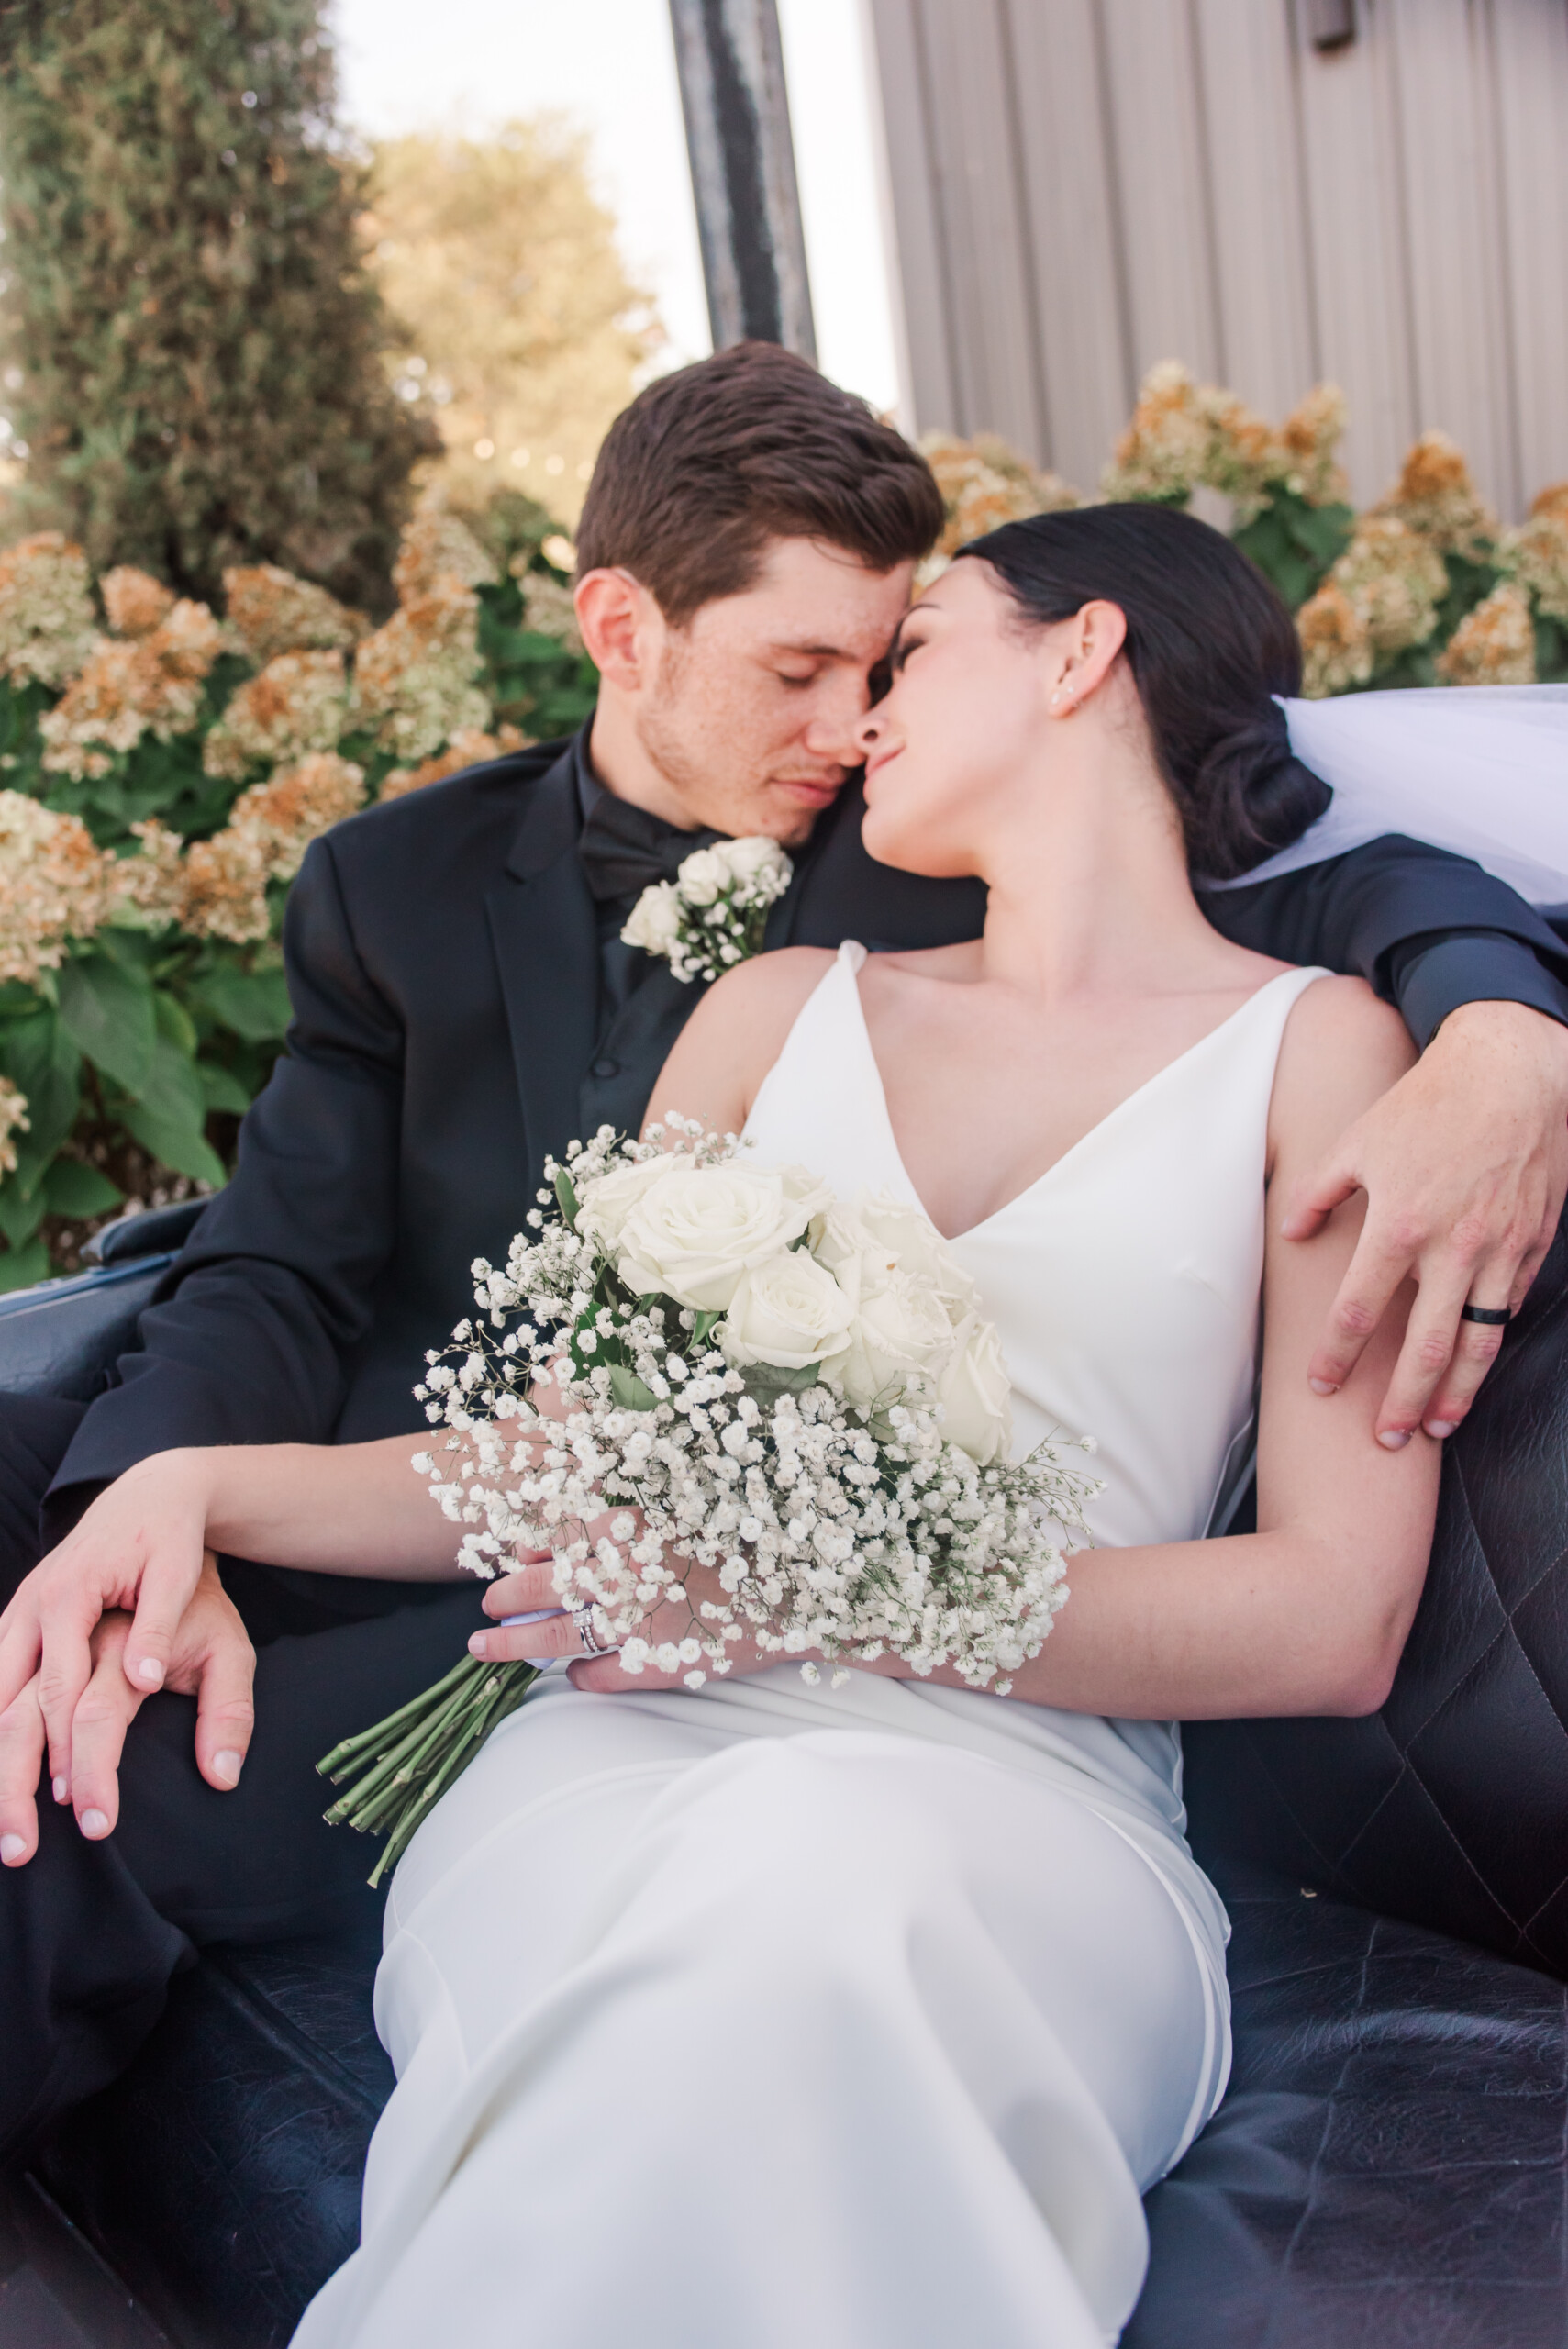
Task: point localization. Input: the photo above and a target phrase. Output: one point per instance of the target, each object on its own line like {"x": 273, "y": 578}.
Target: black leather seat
{"x": 1389, "y": 2169}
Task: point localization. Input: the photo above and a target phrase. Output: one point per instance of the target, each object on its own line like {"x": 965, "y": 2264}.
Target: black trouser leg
{"x": 91, "y": 1933}
{"x": 35, "y": 1430}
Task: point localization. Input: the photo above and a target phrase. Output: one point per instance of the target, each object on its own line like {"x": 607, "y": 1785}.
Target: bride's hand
{"x": 532, "y": 1586}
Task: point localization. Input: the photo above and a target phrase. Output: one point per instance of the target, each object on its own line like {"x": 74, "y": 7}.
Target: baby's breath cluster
{"x": 676, "y": 1436}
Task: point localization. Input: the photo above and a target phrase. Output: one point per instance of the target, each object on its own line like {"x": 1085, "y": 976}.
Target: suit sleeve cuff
{"x": 1484, "y": 967}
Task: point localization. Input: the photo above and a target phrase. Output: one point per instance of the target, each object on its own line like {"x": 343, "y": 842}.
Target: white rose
{"x": 603, "y": 1205}
{"x": 702, "y": 876}
{"x": 655, "y": 920}
{"x": 908, "y": 1234}
{"x": 900, "y": 1336}
{"x": 758, "y": 859}
{"x": 976, "y": 1394}
{"x": 693, "y": 1235}
{"x": 788, "y": 1312}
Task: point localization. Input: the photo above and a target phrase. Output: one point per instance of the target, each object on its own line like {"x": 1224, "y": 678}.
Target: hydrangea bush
{"x": 163, "y": 767}
{"x": 1424, "y": 589}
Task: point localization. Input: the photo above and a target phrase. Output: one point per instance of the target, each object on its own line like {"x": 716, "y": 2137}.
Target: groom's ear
{"x": 622, "y": 625}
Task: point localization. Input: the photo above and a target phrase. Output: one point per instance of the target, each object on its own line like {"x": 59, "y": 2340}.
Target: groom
{"x": 464, "y": 1005}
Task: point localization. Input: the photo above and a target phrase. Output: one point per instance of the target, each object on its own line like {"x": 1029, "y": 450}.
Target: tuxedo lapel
{"x": 543, "y": 932}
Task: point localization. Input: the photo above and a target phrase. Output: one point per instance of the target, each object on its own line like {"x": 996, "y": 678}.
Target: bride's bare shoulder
{"x": 736, "y": 1034}
{"x": 1342, "y": 1049}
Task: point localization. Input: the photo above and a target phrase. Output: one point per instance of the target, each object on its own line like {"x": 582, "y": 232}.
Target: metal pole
{"x": 733, "y": 94}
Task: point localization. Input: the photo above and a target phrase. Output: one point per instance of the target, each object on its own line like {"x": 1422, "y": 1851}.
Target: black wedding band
{"x": 1491, "y": 1317}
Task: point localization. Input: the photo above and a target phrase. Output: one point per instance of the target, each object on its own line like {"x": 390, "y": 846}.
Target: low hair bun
{"x": 1209, "y": 644}
{"x": 1250, "y": 796}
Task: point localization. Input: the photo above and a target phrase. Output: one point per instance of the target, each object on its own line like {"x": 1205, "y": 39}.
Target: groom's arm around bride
{"x": 464, "y": 1006}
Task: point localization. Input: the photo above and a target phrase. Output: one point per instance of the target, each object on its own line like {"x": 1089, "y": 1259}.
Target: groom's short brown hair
{"x": 707, "y": 464}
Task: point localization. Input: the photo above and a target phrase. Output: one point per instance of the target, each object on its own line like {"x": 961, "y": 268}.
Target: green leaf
{"x": 38, "y": 1055}
{"x": 20, "y": 1267}
{"x": 169, "y": 1117}
{"x": 704, "y": 1324}
{"x": 221, "y": 1089}
{"x": 107, "y": 1012}
{"x": 73, "y": 1187}
{"x": 566, "y": 1199}
{"x": 175, "y": 1022}
{"x": 764, "y": 1379}
{"x": 21, "y": 1212}
{"x": 181, "y": 1147}
{"x": 253, "y": 1004}
{"x": 629, "y": 1391}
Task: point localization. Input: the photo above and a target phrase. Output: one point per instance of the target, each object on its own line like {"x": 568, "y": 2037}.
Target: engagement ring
{"x": 583, "y": 1617}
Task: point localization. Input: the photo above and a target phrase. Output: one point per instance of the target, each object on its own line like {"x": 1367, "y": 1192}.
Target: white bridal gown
{"x": 772, "y": 2015}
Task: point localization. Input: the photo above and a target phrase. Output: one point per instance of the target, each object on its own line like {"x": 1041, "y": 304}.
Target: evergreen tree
{"x": 198, "y": 345}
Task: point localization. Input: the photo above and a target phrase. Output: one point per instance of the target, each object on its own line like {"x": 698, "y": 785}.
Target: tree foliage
{"x": 190, "y": 348}
{"x": 525, "y": 330}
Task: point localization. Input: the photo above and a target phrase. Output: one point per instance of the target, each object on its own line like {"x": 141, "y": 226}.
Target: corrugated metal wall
{"x": 1082, "y": 187}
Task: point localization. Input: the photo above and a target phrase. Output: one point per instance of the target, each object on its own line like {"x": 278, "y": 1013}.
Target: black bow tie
{"x": 625, "y": 850}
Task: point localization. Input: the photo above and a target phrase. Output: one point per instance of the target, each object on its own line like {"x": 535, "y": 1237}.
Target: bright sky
{"x": 609, "y": 64}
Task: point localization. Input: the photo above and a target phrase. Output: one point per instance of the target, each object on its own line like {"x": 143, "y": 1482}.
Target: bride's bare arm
{"x": 1310, "y": 1613}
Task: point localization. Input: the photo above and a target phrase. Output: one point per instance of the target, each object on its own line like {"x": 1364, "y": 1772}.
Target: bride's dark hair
{"x": 1208, "y": 642}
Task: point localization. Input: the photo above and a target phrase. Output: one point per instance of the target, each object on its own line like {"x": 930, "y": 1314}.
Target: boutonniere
{"x": 713, "y": 914}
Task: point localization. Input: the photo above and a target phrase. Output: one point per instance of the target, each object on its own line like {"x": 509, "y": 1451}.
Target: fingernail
{"x": 60, "y": 1788}
{"x": 12, "y": 1848}
{"x": 94, "y": 1823}
{"x": 479, "y": 1644}
{"x": 1394, "y": 1439}
{"x": 149, "y": 1672}
{"x": 227, "y": 1767}
{"x": 1321, "y": 1386}
{"x": 1440, "y": 1428}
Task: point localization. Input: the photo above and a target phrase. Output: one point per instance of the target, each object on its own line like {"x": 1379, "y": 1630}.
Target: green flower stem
{"x": 402, "y": 1766}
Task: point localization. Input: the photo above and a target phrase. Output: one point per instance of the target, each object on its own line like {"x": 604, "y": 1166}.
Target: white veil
{"x": 1482, "y": 770}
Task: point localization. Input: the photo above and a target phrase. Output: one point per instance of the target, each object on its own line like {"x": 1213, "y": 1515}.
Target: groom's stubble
{"x": 744, "y": 720}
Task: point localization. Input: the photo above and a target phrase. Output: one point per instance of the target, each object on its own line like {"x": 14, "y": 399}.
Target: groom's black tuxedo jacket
{"x": 444, "y": 969}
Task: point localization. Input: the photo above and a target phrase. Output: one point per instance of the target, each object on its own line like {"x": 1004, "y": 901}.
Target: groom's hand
{"x": 1465, "y": 1166}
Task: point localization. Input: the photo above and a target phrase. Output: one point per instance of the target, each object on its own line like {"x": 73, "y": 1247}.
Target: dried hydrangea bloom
{"x": 437, "y": 546}
{"x": 1395, "y": 579}
{"x": 1165, "y": 450}
{"x": 152, "y": 684}
{"x": 150, "y": 883}
{"x": 469, "y": 748}
{"x": 298, "y": 705}
{"x": 548, "y": 607}
{"x": 414, "y": 678}
{"x": 1552, "y": 501}
{"x": 983, "y": 484}
{"x": 1310, "y": 437}
{"x": 1437, "y": 497}
{"x": 1536, "y": 554}
{"x": 1336, "y": 647}
{"x": 47, "y": 626}
{"x": 14, "y": 1120}
{"x": 296, "y": 806}
{"x": 1493, "y": 645}
{"x": 1245, "y": 457}
{"x": 223, "y": 892}
{"x": 135, "y": 601}
{"x": 271, "y": 612}
{"x": 55, "y": 885}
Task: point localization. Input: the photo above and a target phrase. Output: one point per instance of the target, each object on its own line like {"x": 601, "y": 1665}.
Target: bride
{"x": 772, "y": 2013}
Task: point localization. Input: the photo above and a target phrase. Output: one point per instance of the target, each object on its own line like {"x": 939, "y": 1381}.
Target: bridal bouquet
{"x": 784, "y": 1411}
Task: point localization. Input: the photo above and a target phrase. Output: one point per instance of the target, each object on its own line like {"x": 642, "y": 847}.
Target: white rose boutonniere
{"x": 714, "y": 913}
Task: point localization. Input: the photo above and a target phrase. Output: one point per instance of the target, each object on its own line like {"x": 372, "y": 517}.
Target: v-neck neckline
{"x": 1128, "y": 1101}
